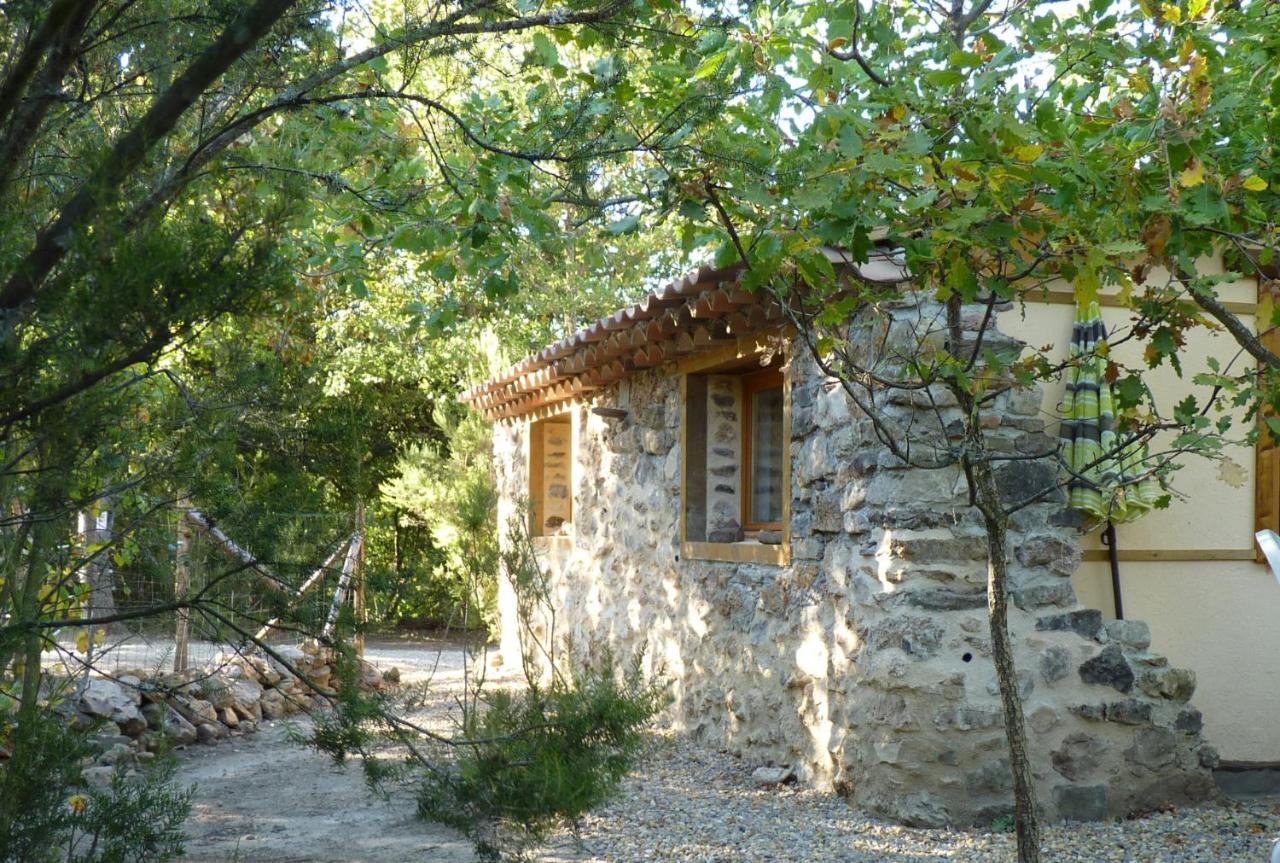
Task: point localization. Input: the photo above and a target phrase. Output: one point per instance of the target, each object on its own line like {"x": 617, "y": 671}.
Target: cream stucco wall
{"x": 1222, "y": 620}
{"x": 1218, "y": 617}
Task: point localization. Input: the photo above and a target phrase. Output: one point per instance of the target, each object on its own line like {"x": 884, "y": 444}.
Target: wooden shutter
{"x": 1266, "y": 504}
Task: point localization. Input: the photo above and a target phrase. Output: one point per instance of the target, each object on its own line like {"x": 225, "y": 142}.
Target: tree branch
{"x": 103, "y": 184}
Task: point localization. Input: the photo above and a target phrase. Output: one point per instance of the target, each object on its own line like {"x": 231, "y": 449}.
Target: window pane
{"x": 766, "y": 455}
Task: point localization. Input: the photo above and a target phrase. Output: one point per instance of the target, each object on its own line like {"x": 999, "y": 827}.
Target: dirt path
{"x": 263, "y": 799}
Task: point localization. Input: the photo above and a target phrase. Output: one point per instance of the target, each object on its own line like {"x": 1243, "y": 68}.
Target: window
{"x": 736, "y": 459}
{"x": 551, "y": 476}
{"x": 762, "y": 450}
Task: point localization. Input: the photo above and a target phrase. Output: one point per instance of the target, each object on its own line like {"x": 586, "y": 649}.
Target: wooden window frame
{"x": 534, "y": 480}
{"x": 745, "y": 348}
{"x": 1266, "y": 454}
{"x": 755, "y": 382}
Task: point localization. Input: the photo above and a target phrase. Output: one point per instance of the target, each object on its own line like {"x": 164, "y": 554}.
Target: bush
{"x": 45, "y": 815}
{"x": 543, "y": 756}
{"x": 133, "y": 821}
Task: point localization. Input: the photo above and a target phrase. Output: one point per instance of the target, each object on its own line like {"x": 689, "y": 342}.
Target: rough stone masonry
{"x": 864, "y": 664}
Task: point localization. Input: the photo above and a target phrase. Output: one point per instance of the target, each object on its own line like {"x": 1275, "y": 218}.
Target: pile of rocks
{"x": 135, "y": 713}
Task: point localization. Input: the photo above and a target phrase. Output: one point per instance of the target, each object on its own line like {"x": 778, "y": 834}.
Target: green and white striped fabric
{"x": 1105, "y": 469}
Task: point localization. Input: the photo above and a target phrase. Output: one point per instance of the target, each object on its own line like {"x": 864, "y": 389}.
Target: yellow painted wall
{"x": 1220, "y": 618}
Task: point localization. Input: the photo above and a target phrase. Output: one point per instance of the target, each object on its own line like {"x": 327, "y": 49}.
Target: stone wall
{"x": 864, "y": 664}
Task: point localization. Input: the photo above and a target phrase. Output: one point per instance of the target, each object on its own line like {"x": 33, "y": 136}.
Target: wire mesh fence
{"x": 177, "y": 588}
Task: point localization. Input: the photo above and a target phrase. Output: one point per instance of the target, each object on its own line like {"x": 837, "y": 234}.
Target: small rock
{"x": 1134, "y": 634}
{"x": 1189, "y": 720}
{"x": 109, "y": 700}
{"x": 210, "y": 732}
{"x": 1081, "y": 802}
{"x": 1086, "y": 622}
{"x": 768, "y": 776}
{"x": 1129, "y": 712}
{"x": 176, "y": 728}
{"x": 194, "y": 710}
{"x": 99, "y": 777}
{"x": 116, "y": 754}
{"x": 1108, "y": 668}
{"x": 1078, "y": 756}
{"x": 272, "y": 704}
{"x": 1152, "y": 748}
{"x": 1054, "y": 664}
{"x": 1176, "y": 684}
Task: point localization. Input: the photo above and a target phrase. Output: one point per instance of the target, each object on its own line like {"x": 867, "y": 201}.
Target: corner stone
{"x": 1081, "y": 802}
{"x": 1109, "y": 668}
{"x": 1086, "y": 622}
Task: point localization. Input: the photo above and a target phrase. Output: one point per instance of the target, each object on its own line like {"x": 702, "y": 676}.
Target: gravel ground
{"x": 690, "y": 803}
{"x": 263, "y": 799}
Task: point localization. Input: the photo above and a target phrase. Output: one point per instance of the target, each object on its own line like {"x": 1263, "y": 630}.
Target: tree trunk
{"x": 985, "y": 495}
{"x": 50, "y": 528}
{"x": 181, "y": 589}
{"x": 1026, "y": 813}
{"x": 95, "y": 531}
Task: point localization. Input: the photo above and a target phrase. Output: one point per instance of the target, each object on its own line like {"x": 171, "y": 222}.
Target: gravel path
{"x": 261, "y": 799}
{"x": 690, "y": 803}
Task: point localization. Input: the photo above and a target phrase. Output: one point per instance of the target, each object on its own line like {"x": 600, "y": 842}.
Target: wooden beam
{"x": 1068, "y": 298}
{"x": 231, "y": 548}
{"x": 737, "y": 552}
{"x": 1094, "y": 555}
{"x": 311, "y": 582}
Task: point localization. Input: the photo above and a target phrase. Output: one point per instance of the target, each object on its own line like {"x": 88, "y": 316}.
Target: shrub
{"x": 542, "y": 756}
{"x": 46, "y": 815}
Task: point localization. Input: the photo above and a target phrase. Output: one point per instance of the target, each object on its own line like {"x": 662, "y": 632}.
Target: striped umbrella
{"x": 1106, "y": 471}
{"x": 1107, "y": 479}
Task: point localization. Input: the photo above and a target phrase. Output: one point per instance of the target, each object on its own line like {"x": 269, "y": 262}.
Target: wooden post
{"x": 182, "y": 588}
{"x": 358, "y": 606}
{"x": 344, "y": 582}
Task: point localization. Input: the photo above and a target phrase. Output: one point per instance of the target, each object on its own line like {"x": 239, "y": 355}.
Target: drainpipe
{"x": 1109, "y": 540}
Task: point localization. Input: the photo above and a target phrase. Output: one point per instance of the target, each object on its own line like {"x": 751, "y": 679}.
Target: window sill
{"x": 737, "y": 552}
{"x": 547, "y": 543}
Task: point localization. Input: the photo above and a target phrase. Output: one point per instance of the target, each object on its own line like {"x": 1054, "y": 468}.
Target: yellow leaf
{"x": 1199, "y": 66}
{"x": 99, "y": 636}
{"x": 1195, "y": 7}
{"x": 1028, "y": 152}
{"x": 837, "y": 43}
{"x": 1255, "y": 183}
{"x": 1266, "y": 308}
{"x": 1172, "y": 12}
{"x": 82, "y": 641}
{"x": 1192, "y": 175}
{"x": 1188, "y": 48}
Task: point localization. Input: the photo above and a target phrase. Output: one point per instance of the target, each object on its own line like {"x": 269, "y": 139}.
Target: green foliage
{"x": 1003, "y": 824}
{"x": 543, "y": 756}
{"x": 448, "y": 487}
{"x": 35, "y": 783}
{"x": 133, "y": 820}
{"x": 46, "y": 815}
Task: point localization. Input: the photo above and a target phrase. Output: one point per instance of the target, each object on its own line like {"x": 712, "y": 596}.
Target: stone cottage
{"x": 701, "y": 492}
